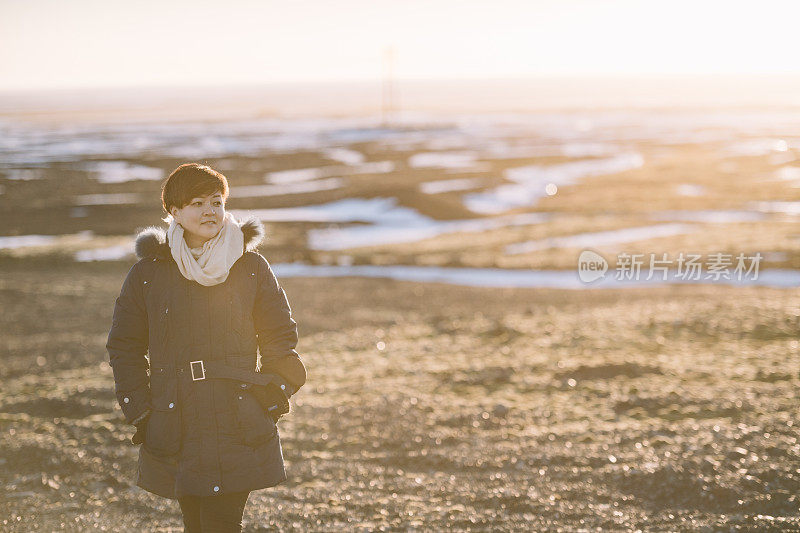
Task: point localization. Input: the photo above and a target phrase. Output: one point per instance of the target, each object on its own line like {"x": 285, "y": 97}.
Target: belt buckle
{"x": 202, "y": 369}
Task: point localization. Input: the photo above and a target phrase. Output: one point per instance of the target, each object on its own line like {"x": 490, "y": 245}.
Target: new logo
{"x": 591, "y": 266}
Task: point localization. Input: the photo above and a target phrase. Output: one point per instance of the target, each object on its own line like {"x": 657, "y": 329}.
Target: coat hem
{"x": 156, "y": 491}
{"x": 174, "y": 496}
{"x": 230, "y": 489}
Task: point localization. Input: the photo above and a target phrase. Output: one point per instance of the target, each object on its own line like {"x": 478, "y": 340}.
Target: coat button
{"x": 171, "y": 405}
{"x": 216, "y": 488}
{"x": 283, "y": 387}
{"x": 126, "y": 399}
{"x": 145, "y": 283}
{"x": 240, "y": 397}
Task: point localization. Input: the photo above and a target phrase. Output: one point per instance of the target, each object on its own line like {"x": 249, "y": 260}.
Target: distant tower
{"x": 387, "y": 104}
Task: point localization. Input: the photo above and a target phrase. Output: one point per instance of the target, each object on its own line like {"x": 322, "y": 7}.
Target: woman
{"x": 203, "y": 303}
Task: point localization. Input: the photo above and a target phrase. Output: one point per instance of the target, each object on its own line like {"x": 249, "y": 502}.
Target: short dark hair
{"x": 191, "y": 180}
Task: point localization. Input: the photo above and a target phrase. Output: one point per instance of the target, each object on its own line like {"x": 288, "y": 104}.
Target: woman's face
{"x": 201, "y": 218}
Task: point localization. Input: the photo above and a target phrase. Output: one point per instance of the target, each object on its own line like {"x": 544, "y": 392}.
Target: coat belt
{"x": 201, "y": 370}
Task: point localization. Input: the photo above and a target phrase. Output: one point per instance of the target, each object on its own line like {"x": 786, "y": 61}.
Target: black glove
{"x": 141, "y": 430}
{"x": 272, "y": 399}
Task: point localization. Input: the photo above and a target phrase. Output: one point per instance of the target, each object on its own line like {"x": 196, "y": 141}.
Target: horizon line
{"x": 366, "y": 81}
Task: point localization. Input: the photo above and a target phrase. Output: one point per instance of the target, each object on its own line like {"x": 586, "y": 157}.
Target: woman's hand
{"x": 141, "y": 428}
{"x": 272, "y": 399}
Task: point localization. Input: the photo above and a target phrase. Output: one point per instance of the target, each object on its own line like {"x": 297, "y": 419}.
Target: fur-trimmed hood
{"x": 152, "y": 241}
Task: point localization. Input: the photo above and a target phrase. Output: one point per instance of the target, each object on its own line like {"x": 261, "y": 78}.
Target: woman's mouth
{"x": 208, "y": 222}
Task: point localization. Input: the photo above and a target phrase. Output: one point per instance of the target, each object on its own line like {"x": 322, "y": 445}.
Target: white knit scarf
{"x": 210, "y": 264}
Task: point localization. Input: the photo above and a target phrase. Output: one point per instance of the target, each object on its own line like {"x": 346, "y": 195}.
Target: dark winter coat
{"x": 208, "y": 436}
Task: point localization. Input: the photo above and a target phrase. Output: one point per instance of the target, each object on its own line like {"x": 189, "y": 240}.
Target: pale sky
{"x": 88, "y": 43}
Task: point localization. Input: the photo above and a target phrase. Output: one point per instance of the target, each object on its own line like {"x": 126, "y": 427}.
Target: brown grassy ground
{"x": 657, "y": 409}
{"x": 506, "y": 410}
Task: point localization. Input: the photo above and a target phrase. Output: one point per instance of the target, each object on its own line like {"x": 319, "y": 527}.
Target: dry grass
{"x": 483, "y": 409}
{"x": 430, "y": 406}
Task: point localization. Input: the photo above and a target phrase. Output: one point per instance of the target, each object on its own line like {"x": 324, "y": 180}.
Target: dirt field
{"x": 659, "y": 409}
{"x": 430, "y": 406}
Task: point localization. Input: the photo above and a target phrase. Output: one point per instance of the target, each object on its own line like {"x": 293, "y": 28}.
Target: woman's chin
{"x": 209, "y": 231}
{"x": 204, "y": 233}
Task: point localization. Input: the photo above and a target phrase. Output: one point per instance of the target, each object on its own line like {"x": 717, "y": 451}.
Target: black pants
{"x": 217, "y": 514}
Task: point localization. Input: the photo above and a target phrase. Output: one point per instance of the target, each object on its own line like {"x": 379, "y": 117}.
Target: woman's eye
{"x": 217, "y": 203}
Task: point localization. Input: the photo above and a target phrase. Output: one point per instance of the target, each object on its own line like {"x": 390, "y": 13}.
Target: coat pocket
{"x": 163, "y": 435}
{"x": 255, "y": 426}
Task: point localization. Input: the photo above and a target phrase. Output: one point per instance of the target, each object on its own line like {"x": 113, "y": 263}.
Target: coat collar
{"x": 152, "y": 241}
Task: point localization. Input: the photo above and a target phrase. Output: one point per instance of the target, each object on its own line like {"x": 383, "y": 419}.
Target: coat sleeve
{"x": 127, "y": 346}
{"x": 272, "y": 316}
